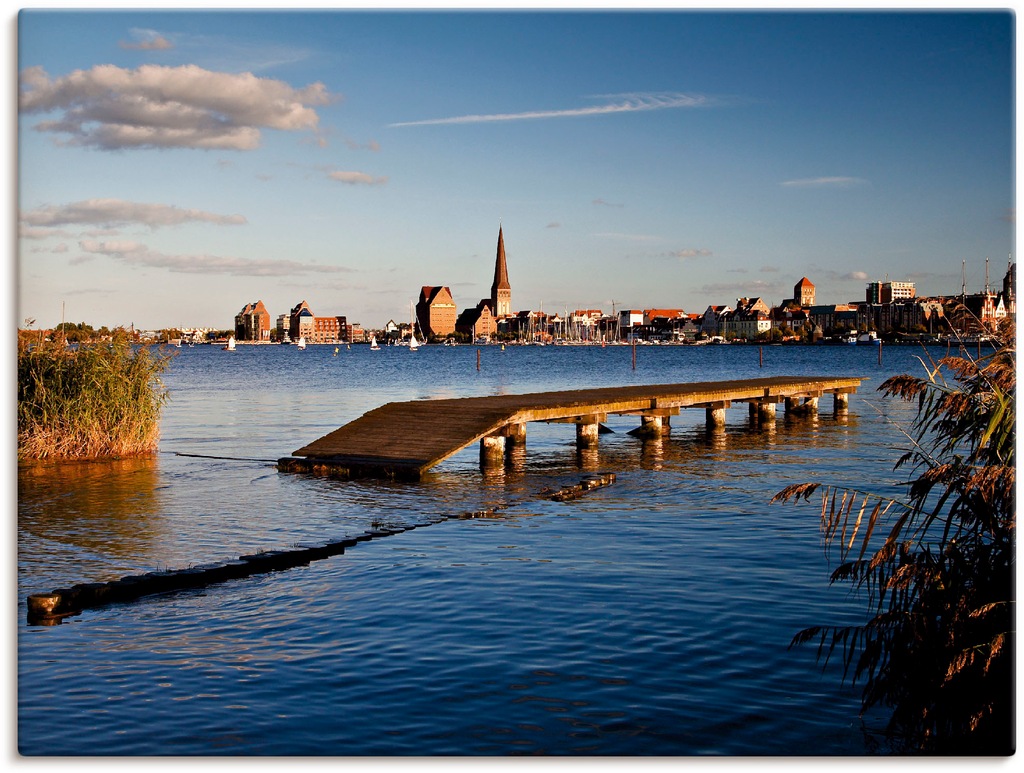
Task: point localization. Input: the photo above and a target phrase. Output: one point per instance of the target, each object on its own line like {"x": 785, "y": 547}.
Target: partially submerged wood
{"x": 403, "y": 440}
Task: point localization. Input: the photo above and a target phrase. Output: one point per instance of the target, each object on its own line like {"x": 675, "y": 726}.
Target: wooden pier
{"x": 403, "y": 440}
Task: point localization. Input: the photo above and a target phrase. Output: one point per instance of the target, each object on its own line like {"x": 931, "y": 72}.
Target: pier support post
{"x": 792, "y": 405}
{"x": 842, "y": 401}
{"x": 765, "y": 411}
{"x": 492, "y": 450}
{"x": 515, "y": 435}
{"x": 716, "y": 415}
{"x": 650, "y": 427}
{"x": 586, "y": 433}
{"x": 810, "y": 405}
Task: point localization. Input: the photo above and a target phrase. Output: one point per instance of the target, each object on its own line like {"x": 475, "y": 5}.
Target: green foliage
{"x": 938, "y": 646}
{"x": 92, "y": 400}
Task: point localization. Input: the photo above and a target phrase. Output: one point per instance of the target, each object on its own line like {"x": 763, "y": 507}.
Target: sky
{"x": 173, "y": 166}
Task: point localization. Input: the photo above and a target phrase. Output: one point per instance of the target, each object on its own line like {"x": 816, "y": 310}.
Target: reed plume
{"x": 937, "y": 566}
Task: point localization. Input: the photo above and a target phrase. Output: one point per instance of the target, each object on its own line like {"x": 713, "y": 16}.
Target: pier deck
{"x": 405, "y": 439}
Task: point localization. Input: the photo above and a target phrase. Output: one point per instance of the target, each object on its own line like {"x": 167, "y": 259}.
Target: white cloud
{"x": 27, "y": 232}
{"x": 859, "y": 275}
{"x": 137, "y": 254}
{"x": 146, "y": 40}
{"x": 112, "y": 108}
{"x": 624, "y": 103}
{"x": 117, "y": 212}
{"x": 356, "y": 178}
{"x": 824, "y": 182}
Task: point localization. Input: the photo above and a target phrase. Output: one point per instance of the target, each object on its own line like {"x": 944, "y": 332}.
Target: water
{"x": 651, "y": 617}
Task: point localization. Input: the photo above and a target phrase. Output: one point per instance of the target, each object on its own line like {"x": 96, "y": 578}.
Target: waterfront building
{"x": 630, "y": 322}
{"x": 750, "y": 318}
{"x": 435, "y": 311}
{"x": 977, "y": 312}
{"x": 303, "y": 323}
{"x": 252, "y": 323}
{"x": 790, "y": 317}
{"x": 897, "y": 291}
{"x": 477, "y": 322}
{"x": 711, "y": 320}
{"x": 392, "y": 331}
{"x": 829, "y": 316}
{"x": 300, "y": 322}
{"x": 803, "y": 293}
{"x": 1010, "y": 289}
{"x": 329, "y": 330}
{"x": 889, "y": 292}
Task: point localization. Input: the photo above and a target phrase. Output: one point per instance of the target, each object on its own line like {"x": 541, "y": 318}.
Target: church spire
{"x": 501, "y": 290}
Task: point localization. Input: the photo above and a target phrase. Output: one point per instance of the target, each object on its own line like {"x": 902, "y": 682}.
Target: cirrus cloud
{"x": 621, "y": 103}
{"x": 113, "y": 108}
{"x": 117, "y": 212}
{"x": 824, "y": 182}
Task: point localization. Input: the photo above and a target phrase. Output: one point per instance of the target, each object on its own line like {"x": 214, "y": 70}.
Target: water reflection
{"x": 652, "y": 453}
{"x": 588, "y": 459}
{"x": 98, "y": 506}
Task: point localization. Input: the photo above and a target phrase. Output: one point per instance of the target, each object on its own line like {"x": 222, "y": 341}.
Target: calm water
{"x": 651, "y": 617}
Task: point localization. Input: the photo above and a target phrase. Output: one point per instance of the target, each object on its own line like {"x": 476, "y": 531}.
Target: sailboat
{"x": 301, "y": 343}
{"x": 413, "y": 343}
{"x": 373, "y": 344}
{"x": 231, "y": 345}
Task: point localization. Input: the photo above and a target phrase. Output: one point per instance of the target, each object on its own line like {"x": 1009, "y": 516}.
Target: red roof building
{"x": 435, "y": 311}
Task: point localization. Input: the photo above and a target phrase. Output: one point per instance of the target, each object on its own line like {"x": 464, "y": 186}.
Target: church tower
{"x": 501, "y": 290}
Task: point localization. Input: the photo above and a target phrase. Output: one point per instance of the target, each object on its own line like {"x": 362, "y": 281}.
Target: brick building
{"x": 803, "y": 293}
{"x": 303, "y": 323}
{"x": 477, "y": 322}
{"x": 436, "y": 312}
{"x": 501, "y": 290}
{"x": 252, "y": 323}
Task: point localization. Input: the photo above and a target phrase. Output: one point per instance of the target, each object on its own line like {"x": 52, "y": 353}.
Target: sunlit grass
{"x": 96, "y": 400}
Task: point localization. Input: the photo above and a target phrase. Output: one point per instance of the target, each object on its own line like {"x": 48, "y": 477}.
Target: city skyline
{"x": 176, "y": 165}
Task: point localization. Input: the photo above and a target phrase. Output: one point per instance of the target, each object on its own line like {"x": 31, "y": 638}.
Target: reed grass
{"x": 937, "y": 566}
{"x": 94, "y": 400}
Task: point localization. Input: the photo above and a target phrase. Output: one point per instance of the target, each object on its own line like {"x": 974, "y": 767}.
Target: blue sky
{"x": 176, "y": 165}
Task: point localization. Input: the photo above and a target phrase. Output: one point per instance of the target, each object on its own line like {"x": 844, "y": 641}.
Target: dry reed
{"x": 95, "y": 400}
{"x": 938, "y": 570}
